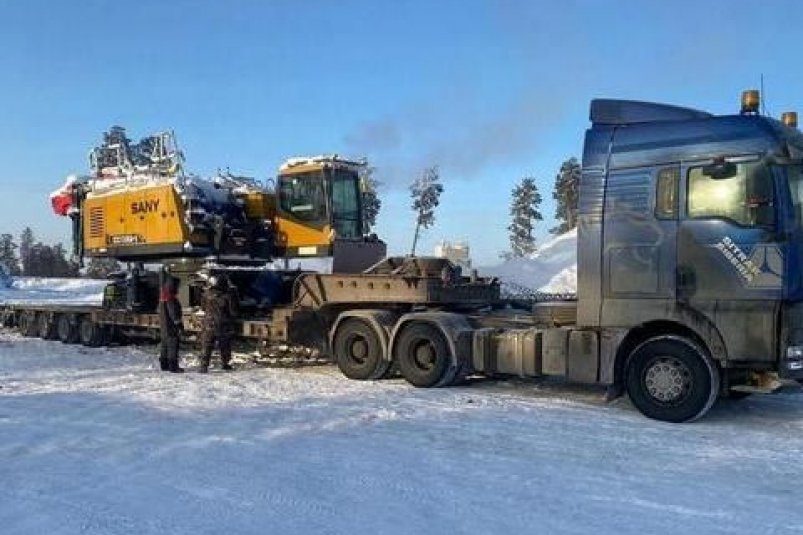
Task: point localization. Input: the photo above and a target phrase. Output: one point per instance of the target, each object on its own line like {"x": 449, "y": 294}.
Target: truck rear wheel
{"x": 358, "y": 351}
{"x": 423, "y": 356}
{"x": 46, "y": 327}
{"x": 670, "y": 378}
{"x": 67, "y": 330}
{"x": 91, "y": 334}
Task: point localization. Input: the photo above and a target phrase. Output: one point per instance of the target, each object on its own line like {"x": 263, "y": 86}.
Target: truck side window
{"x": 745, "y": 198}
{"x": 666, "y": 193}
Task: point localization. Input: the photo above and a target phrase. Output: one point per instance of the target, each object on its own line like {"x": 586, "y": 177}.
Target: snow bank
{"x": 552, "y": 269}
{"x": 53, "y": 291}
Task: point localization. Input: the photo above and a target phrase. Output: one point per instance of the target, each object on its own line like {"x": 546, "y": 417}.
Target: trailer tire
{"x": 91, "y": 334}
{"x": 45, "y": 326}
{"x": 423, "y": 356}
{"x": 67, "y": 330}
{"x": 672, "y": 379}
{"x": 358, "y": 351}
{"x": 8, "y": 319}
{"x": 27, "y": 324}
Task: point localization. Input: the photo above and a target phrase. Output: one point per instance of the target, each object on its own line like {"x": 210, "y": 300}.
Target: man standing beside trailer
{"x": 217, "y": 327}
{"x": 170, "y": 325}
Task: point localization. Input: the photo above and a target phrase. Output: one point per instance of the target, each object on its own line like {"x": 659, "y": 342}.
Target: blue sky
{"x": 489, "y": 90}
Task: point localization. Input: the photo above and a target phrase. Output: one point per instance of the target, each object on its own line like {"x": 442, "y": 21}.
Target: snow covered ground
{"x": 52, "y": 291}
{"x": 552, "y": 269}
{"x": 97, "y": 441}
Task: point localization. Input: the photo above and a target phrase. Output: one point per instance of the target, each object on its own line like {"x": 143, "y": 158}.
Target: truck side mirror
{"x": 720, "y": 169}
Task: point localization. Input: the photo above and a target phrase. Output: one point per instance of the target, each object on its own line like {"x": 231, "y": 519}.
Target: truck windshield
{"x": 346, "y": 204}
{"x": 302, "y": 195}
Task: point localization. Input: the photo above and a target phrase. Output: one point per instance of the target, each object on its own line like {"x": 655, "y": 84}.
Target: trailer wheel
{"x": 672, "y": 379}
{"x": 358, "y": 351}
{"x": 27, "y": 324}
{"x": 423, "y": 356}
{"x": 8, "y": 318}
{"x": 92, "y": 334}
{"x": 46, "y": 327}
{"x": 67, "y": 330}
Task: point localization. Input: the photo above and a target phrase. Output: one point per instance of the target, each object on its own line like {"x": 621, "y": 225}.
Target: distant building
{"x": 458, "y": 253}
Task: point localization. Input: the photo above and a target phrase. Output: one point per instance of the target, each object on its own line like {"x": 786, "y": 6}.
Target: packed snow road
{"x": 97, "y": 441}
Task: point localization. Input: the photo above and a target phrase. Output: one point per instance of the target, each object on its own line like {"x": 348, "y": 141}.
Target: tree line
{"x": 32, "y": 258}
{"x": 525, "y": 206}
{"x": 525, "y": 209}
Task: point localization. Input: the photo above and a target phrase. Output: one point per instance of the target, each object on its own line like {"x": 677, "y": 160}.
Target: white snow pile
{"x": 53, "y": 291}
{"x": 96, "y": 441}
{"x": 552, "y": 269}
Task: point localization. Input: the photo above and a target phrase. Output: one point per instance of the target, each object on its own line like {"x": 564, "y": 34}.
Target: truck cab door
{"x": 639, "y": 247}
{"x": 729, "y": 262}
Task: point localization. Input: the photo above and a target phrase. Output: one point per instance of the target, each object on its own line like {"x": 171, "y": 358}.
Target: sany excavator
{"x": 139, "y": 206}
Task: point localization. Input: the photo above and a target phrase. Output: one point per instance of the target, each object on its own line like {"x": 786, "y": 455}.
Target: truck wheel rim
{"x": 357, "y": 348}
{"x": 667, "y": 380}
{"x": 424, "y": 355}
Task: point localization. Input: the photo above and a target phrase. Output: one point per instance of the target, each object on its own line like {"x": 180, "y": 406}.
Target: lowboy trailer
{"x": 690, "y": 279}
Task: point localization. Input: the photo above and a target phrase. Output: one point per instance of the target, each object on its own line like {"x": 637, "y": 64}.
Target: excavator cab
{"x": 319, "y": 213}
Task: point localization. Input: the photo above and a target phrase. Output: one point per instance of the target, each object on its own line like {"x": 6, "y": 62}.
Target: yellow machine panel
{"x": 296, "y": 238}
{"x": 149, "y": 218}
{"x": 259, "y": 205}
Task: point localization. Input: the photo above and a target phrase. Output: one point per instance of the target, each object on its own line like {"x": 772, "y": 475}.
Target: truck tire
{"x": 672, "y": 379}
{"x": 45, "y": 326}
{"x": 27, "y": 324}
{"x": 91, "y": 334}
{"x": 358, "y": 351}
{"x": 423, "y": 356}
{"x": 67, "y": 330}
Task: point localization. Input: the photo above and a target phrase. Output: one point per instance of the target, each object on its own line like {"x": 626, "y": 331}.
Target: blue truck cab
{"x": 690, "y": 253}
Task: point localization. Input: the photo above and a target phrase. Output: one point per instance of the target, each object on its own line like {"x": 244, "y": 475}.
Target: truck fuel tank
{"x": 534, "y": 352}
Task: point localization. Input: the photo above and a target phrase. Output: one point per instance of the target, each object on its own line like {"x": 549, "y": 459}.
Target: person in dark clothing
{"x": 217, "y": 326}
{"x": 170, "y": 325}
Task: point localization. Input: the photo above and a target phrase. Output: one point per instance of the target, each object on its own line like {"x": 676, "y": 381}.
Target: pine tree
{"x": 566, "y": 193}
{"x": 8, "y": 254}
{"x": 26, "y": 244}
{"x": 39, "y": 261}
{"x": 524, "y": 212}
{"x": 63, "y": 266}
{"x": 425, "y": 192}
{"x": 371, "y": 203}
{"x": 100, "y": 268}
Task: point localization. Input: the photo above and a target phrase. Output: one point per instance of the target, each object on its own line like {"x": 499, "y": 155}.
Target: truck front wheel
{"x": 358, "y": 351}
{"x": 670, "y": 378}
{"x": 423, "y": 356}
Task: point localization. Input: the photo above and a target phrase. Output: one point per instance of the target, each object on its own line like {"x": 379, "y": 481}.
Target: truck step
{"x": 750, "y": 389}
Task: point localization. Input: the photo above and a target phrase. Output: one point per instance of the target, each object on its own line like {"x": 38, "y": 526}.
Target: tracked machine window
{"x": 302, "y": 195}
